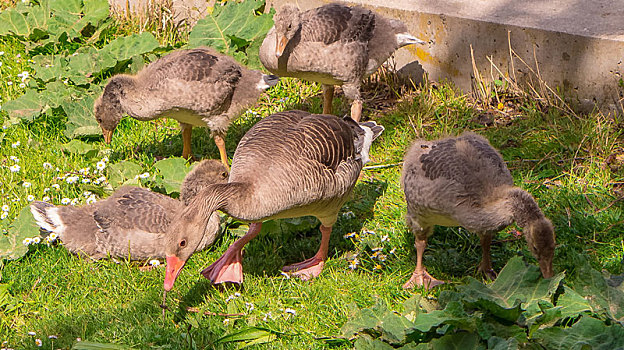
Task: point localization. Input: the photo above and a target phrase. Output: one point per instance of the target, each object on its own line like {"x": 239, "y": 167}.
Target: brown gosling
{"x": 132, "y": 222}
{"x": 334, "y": 45}
{"x": 289, "y": 164}
{"x": 463, "y": 181}
{"x": 196, "y": 87}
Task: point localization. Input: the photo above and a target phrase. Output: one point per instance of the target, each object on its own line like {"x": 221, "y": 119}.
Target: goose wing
{"x": 335, "y": 22}
{"x": 133, "y": 221}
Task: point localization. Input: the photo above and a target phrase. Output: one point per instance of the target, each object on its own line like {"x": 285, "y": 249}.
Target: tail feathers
{"x": 267, "y": 81}
{"x": 47, "y": 217}
{"x": 375, "y": 128}
{"x": 404, "y": 39}
{"x": 371, "y": 132}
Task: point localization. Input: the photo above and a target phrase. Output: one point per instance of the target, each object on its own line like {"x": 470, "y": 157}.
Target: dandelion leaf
{"x": 24, "y": 226}
{"x": 587, "y": 333}
{"x": 88, "y": 345}
{"x": 250, "y": 336}
{"x": 27, "y": 106}
{"x": 80, "y": 117}
{"x": 234, "y": 21}
{"x": 173, "y": 171}
{"x": 518, "y": 288}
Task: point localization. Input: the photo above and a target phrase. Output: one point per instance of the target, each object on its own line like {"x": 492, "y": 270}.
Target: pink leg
{"x": 486, "y": 263}
{"x": 421, "y": 277}
{"x": 229, "y": 268}
{"x": 312, "y": 267}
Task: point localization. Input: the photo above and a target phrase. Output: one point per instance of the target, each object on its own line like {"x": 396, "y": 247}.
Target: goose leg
{"x": 229, "y": 268}
{"x": 328, "y": 98}
{"x": 312, "y": 267}
{"x": 486, "y": 264}
{"x": 220, "y": 142}
{"x": 186, "y": 140}
{"x": 421, "y": 277}
{"x": 356, "y": 110}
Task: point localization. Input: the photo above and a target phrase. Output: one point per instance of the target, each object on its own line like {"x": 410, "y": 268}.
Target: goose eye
{"x": 224, "y": 174}
{"x": 289, "y": 26}
{"x": 183, "y": 243}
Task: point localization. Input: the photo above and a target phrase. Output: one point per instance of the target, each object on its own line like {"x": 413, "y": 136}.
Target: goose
{"x": 333, "y": 45}
{"x": 197, "y": 87}
{"x": 132, "y": 222}
{"x": 463, "y": 181}
{"x": 289, "y": 164}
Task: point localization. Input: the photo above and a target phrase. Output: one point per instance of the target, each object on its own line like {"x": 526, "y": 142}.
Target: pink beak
{"x": 174, "y": 266}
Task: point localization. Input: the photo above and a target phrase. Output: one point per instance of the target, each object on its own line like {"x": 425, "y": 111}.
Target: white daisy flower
{"x": 56, "y": 186}
{"x": 100, "y": 165}
{"x": 46, "y": 198}
{"x": 32, "y": 333}
{"x": 74, "y": 201}
{"x": 290, "y": 311}
{"x": 36, "y": 240}
{"x": 52, "y": 236}
{"x": 22, "y": 85}
{"x": 86, "y": 181}
{"x": 26, "y": 184}
{"x": 30, "y": 198}
{"x": 52, "y": 337}
{"x": 385, "y": 238}
{"x": 15, "y": 168}
{"x": 28, "y": 241}
{"x": 105, "y": 159}
{"x": 14, "y": 158}
{"x": 86, "y": 194}
{"x": 38, "y": 342}
{"x": 47, "y": 165}
{"x": 65, "y": 201}
{"x": 144, "y": 175}
{"x": 154, "y": 262}
{"x": 6, "y": 207}
{"x": 4, "y": 215}
{"x": 250, "y": 306}
{"x": 267, "y": 316}
{"x": 91, "y": 199}
{"x": 46, "y": 190}
{"x": 72, "y": 179}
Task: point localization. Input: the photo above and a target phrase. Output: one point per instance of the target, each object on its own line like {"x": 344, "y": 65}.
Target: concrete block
{"x": 577, "y": 46}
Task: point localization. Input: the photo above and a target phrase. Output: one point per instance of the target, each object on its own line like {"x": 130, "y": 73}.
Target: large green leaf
{"x": 250, "y": 336}
{"x": 49, "y": 67}
{"x": 95, "y": 11}
{"x": 87, "y": 345}
{"x": 124, "y": 48}
{"x": 587, "y": 333}
{"x": 571, "y": 303}
{"x": 236, "y": 20}
{"x": 80, "y": 117}
{"x": 120, "y": 173}
{"x": 27, "y": 106}
{"x": 601, "y": 296}
{"x": 13, "y": 22}
{"x": 80, "y": 147}
{"x": 24, "y": 226}
{"x": 173, "y": 171}
{"x": 518, "y": 287}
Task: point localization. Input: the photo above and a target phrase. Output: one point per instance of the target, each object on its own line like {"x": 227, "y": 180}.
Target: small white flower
{"x": 26, "y": 184}
{"x": 226, "y": 321}
{"x": 14, "y": 158}
{"x": 26, "y": 242}
{"x": 65, "y": 201}
{"x": 354, "y": 264}
{"x": 100, "y": 165}
{"x": 101, "y": 179}
{"x": 348, "y": 215}
{"x": 36, "y": 240}
{"x": 154, "y": 263}
{"x": 0, "y": 64}
{"x": 74, "y": 201}
{"x": 250, "y": 306}
{"x": 47, "y": 165}
{"x": 46, "y": 190}
{"x": 52, "y": 337}
{"x": 392, "y": 251}
{"x": 267, "y": 316}
{"x": 32, "y": 333}
{"x": 385, "y": 238}
{"x": 22, "y": 85}
{"x": 18, "y": 55}
{"x": 377, "y": 249}
{"x": 86, "y": 194}
{"x": 78, "y": 339}
{"x": 15, "y": 168}
{"x": 56, "y": 186}
{"x": 9, "y": 83}
{"x": 91, "y": 199}
{"x": 144, "y": 175}
{"x": 6, "y": 207}
{"x": 84, "y": 171}
{"x": 290, "y": 311}
{"x": 105, "y": 159}
{"x": 52, "y": 237}
{"x": 46, "y": 198}
{"x": 72, "y": 179}
{"x": 349, "y": 235}
{"x": 86, "y": 181}
{"x": 30, "y": 198}
{"x": 1, "y": 53}
{"x": 4, "y": 215}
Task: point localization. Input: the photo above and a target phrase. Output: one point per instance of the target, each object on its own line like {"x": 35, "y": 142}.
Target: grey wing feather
{"x": 335, "y": 22}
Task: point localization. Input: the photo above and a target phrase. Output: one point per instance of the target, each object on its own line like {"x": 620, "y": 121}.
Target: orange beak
{"x": 174, "y": 266}
{"x": 108, "y": 135}
{"x": 280, "y": 45}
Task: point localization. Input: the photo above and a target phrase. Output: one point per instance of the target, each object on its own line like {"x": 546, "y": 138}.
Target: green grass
{"x": 560, "y": 159}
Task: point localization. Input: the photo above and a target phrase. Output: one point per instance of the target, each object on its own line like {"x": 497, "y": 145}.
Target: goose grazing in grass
{"x": 289, "y": 164}
{"x": 132, "y": 222}
{"x": 196, "y": 87}
{"x": 334, "y": 45}
{"x": 463, "y": 181}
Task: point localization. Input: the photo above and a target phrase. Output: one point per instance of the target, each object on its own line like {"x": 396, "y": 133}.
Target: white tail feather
{"x": 48, "y": 218}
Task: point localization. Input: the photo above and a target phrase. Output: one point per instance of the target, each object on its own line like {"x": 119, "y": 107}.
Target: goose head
{"x": 540, "y": 237}
{"x": 108, "y": 108}
{"x": 204, "y": 174}
{"x": 287, "y": 24}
